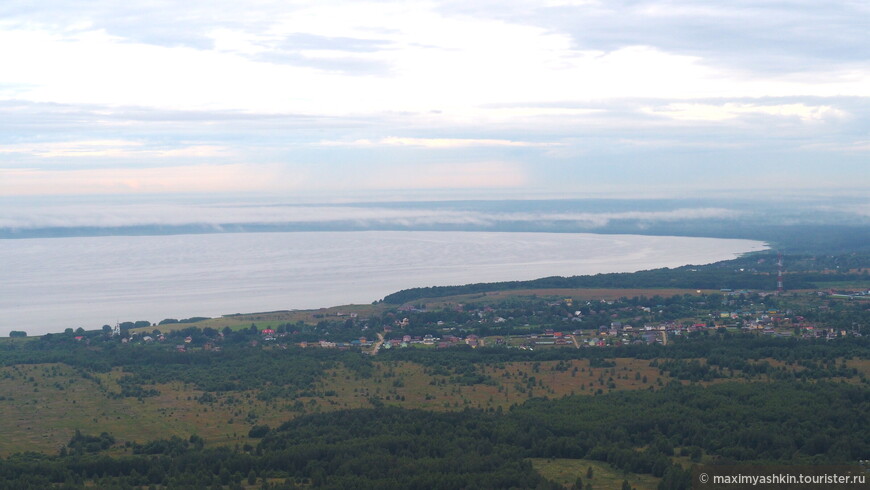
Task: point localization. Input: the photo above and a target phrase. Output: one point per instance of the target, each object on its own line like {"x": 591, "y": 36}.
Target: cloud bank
{"x": 559, "y": 96}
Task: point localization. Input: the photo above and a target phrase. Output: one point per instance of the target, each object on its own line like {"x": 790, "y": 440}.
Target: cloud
{"x": 576, "y": 95}
{"x": 448, "y": 175}
{"x": 602, "y": 219}
{"x": 436, "y": 142}
{"x": 175, "y": 214}
{"x": 732, "y": 110}
{"x": 843, "y": 147}
{"x": 188, "y": 178}
{"x": 752, "y": 36}
{"x": 46, "y": 215}
{"x": 110, "y": 148}
{"x": 484, "y": 60}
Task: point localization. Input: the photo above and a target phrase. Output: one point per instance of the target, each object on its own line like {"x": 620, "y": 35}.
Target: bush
{"x": 258, "y": 431}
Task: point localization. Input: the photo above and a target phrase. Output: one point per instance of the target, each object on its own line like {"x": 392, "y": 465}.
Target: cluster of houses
{"x": 771, "y": 323}
{"x": 767, "y": 322}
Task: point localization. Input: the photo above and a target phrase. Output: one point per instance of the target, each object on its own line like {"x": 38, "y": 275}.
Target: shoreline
{"x": 185, "y": 276}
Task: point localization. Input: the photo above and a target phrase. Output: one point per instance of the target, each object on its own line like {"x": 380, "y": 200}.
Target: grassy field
{"x": 43, "y": 404}
{"x": 566, "y": 471}
{"x": 275, "y": 318}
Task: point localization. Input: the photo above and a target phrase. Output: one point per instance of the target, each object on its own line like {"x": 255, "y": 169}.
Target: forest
{"x": 755, "y": 271}
{"x": 389, "y": 447}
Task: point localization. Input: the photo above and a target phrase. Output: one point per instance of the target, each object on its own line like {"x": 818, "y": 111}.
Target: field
{"x": 273, "y": 318}
{"x": 44, "y": 404}
{"x": 276, "y": 318}
{"x": 604, "y": 476}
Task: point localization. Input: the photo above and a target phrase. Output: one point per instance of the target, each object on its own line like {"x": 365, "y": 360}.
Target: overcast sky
{"x": 490, "y": 98}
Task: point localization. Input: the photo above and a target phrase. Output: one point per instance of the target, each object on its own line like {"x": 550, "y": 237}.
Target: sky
{"x": 554, "y": 98}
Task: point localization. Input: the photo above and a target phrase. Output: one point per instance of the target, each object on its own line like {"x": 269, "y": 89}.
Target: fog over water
{"x": 49, "y": 284}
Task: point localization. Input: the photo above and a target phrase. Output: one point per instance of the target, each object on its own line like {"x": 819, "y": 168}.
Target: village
{"x": 763, "y": 322}
{"x": 536, "y": 322}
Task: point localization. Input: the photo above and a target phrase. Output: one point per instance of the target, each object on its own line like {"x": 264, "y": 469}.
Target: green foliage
{"x": 91, "y": 444}
{"x": 756, "y": 271}
{"x": 258, "y": 431}
{"x": 389, "y": 447}
{"x": 784, "y": 422}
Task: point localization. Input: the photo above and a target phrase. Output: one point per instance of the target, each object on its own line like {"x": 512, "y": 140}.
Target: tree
{"x": 17, "y": 333}
{"x": 258, "y": 431}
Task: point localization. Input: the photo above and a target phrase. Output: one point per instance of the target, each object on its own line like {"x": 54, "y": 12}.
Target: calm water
{"x": 51, "y": 284}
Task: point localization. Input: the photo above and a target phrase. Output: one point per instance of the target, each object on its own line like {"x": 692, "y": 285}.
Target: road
{"x": 574, "y": 339}
{"x": 377, "y": 346}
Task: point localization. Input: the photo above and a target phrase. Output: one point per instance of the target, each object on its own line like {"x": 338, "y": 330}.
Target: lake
{"x": 49, "y": 284}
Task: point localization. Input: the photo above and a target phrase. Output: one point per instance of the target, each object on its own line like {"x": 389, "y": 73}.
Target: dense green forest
{"x": 754, "y": 271}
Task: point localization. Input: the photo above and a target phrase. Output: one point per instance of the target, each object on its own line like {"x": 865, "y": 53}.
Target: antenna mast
{"x": 779, "y": 287}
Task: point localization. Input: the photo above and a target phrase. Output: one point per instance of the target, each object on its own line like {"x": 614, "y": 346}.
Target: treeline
{"x": 756, "y": 272}
{"x": 682, "y": 278}
{"x": 787, "y": 422}
{"x": 393, "y": 448}
{"x": 275, "y": 372}
{"x": 733, "y": 347}
{"x": 286, "y": 373}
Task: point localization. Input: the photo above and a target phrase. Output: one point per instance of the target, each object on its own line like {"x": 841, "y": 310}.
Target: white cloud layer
{"x": 109, "y": 148}
{"x": 723, "y": 112}
{"x": 562, "y": 95}
{"x": 173, "y": 214}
